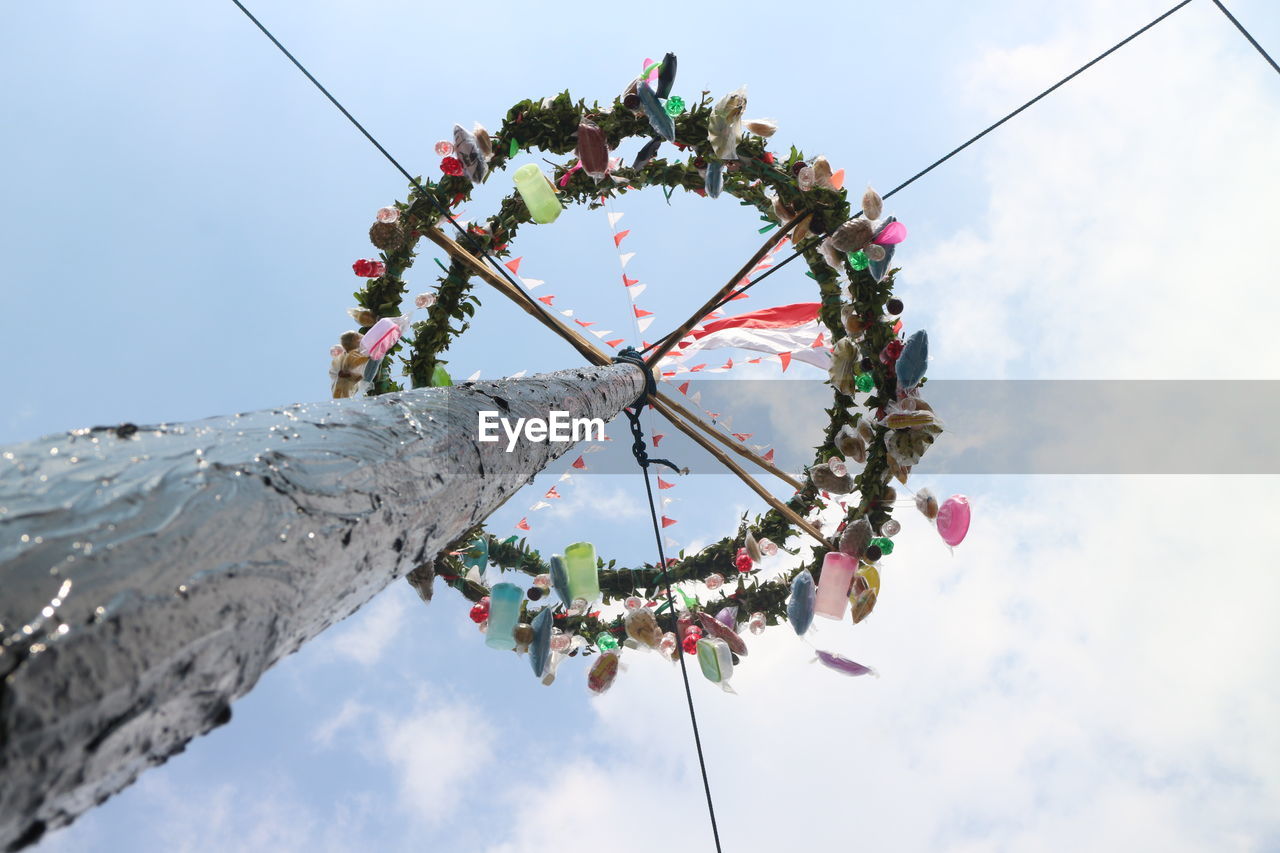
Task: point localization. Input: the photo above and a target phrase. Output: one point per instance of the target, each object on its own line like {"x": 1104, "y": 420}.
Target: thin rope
{"x": 640, "y": 451}
{"x": 953, "y": 152}
{"x": 468, "y": 239}
{"x": 1092, "y": 62}
{"x": 1246, "y": 34}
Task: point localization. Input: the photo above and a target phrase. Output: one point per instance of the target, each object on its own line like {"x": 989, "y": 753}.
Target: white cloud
{"x": 593, "y": 496}
{"x": 438, "y": 750}
{"x": 1094, "y": 667}
{"x": 1123, "y": 232}
{"x": 351, "y": 712}
{"x": 1087, "y": 670}
{"x": 366, "y": 636}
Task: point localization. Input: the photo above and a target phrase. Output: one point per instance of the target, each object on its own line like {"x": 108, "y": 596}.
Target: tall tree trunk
{"x": 149, "y": 576}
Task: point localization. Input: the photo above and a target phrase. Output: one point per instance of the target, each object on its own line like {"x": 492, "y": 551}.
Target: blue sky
{"x": 1096, "y": 665}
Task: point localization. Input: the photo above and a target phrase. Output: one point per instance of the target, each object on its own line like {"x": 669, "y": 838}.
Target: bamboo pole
{"x": 526, "y": 302}
{"x": 734, "y": 445}
{"x": 724, "y": 459}
{"x": 150, "y": 575}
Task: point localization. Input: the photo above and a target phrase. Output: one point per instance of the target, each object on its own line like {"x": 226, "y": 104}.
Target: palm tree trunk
{"x": 150, "y": 575}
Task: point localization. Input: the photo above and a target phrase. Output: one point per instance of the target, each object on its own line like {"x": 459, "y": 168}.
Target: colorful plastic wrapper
{"x": 467, "y": 149}
{"x": 504, "y": 612}
{"x": 862, "y": 603}
{"x": 801, "y": 603}
{"x": 716, "y": 661}
{"x": 593, "y": 150}
{"x": 879, "y": 269}
{"x": 891, "y": 233}
{"x": 642, "y": 627}
{"x": 385, "y": 333}
{"x": 914, "y": 360}
{"x": 714, "y": 182}
{"x": 647, "y": 153}
{"x": 477, "y": 553}
{"x": 560, "y": 579}
{"x": 855, "y": 538}
{"x": 872, "y": 204}
{"x": 666, "y": 76}
{"x": 953, "y": 519}
{"x": 715, "y": 628}
{"x": 833, "y": 584}
{"x": 603, "y": 672}
{"x": 537, "y": 194}
{"x": 725, "y": 125}
{"x": 583, "y": 571}
{"x": 540, "y": 648}
{"x": 906, "y": 447}
{"x": 662, "y": 124}
{"x": 842, "y": 664}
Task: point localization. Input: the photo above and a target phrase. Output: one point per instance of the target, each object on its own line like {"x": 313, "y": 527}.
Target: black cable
{"x": 1246, "y": 34}
{"x": 639, "y": 449}
{"x": 1092, "y": 62}
{"x": 468, "y": 239}
{"x": 953, "y": 152}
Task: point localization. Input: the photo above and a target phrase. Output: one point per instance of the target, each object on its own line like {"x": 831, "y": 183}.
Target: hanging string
{"x": 639, "y": 449}
{"x": 953, "y": 152}
{"x": 1253, "y": 41}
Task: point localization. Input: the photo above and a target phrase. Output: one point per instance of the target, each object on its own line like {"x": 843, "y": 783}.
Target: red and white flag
{"x": 782, "y": 329}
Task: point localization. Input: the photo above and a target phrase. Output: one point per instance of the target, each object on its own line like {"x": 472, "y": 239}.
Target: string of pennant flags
{"x": 641, "y": 321}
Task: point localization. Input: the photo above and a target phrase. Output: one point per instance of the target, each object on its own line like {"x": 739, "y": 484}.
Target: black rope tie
{"x": 640, "y": 450}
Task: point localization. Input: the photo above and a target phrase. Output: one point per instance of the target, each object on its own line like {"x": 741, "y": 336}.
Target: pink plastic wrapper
{"x": 379, "y": 340}
{"x": 953, "y": 519}
{"x": 894, "y": 232}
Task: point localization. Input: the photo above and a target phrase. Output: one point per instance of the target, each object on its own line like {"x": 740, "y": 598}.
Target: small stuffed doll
{"x": 347, "y": 369}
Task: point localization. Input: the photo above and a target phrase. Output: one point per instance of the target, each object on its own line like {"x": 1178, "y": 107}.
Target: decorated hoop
{"x": 878, "y": 420}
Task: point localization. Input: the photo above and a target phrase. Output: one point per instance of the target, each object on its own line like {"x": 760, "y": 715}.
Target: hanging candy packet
{"x": 468, "y": 151}
{"x": 843, "y": 665}
{"x": 716, "y": 661}
{"x": 718, "y": 630}
{"x": 383, "y": 335}
{"x": 642, "y": 626}
{"x": 540, "y": 648}
{"x": 603, "y": 672}
{"x": 800, "y": 605}
{"x": 953, "y": 520}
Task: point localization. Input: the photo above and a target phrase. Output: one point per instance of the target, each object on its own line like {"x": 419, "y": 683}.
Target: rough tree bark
{"x": 150, "y": 575}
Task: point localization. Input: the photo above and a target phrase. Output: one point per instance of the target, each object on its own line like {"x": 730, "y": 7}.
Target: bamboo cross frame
{"x": 593, "y": 353}
{"x": 665, "y": 345}
{"x": 665, "y": 406}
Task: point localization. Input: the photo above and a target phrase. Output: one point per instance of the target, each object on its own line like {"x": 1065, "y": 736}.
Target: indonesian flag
{"x": 789, "y": 329}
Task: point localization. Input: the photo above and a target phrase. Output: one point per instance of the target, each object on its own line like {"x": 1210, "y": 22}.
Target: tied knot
{"x": 639, "y": 447}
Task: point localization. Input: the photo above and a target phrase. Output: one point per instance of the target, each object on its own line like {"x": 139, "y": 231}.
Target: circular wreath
{"x": 854, "y": 300}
